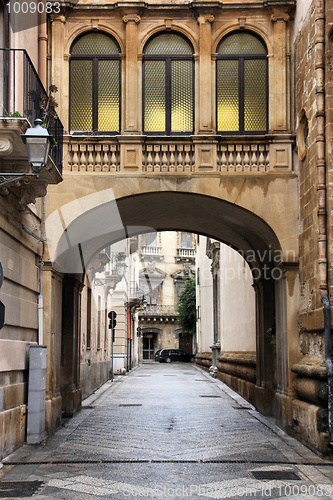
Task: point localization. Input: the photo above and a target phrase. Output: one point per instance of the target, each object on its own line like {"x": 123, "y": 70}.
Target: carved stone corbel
{"x": 30, "y": 192}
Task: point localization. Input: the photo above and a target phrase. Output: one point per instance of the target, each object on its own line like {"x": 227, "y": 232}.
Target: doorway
{"x": 148, "y": 346}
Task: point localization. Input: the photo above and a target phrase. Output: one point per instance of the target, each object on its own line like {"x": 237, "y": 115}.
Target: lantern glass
{"x": 38, "y": 150}
{"x": 37, "y": 141}
{"x": 121, "y": 268}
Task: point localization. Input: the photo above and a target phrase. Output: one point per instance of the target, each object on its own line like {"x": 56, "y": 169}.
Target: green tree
{"x": 187, "y": 308}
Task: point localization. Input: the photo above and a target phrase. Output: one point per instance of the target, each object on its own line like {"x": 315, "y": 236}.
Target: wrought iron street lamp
{"x": 121, "y": 267}
{"x": 37, "y": 141}
{"x": 112, "y": 280}
{"x": 144, "y": 303}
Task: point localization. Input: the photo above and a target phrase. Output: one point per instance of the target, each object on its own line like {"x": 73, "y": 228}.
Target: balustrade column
{"x": 131, "y": 82}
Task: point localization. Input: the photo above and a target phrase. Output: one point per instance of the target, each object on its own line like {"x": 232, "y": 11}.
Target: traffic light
{"x": 112, "y": 316}
{"x": 138, "y": 331}
{"x": 2, "y": 305}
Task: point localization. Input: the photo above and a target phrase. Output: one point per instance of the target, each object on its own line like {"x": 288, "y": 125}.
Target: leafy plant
{"x": 48, "y": 105}
{"x": 187, "y": 308}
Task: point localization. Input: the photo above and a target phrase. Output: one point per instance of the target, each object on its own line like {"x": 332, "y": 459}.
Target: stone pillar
{"x": 287, "y": 338}
{"x": 214, "y": 254}
{"x": 132, "y": 87}
{"x": 70, "y": 348}
{"x": 36, "y": 394}
{"x": 279, "y": 97}
{"x": 52, "y": 292}
{"x": 287, "y": 334}
{"x": 205, "y": 75}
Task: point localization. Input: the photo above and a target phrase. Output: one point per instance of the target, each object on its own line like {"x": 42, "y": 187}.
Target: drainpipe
{"x": 40, "y": 296}
{"x": 42, "y": 46}
{"x": 320, "y": 140}
{"x": 321, "y": 197}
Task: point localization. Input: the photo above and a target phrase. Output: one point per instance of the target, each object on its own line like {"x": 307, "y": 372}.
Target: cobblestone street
{"x": 167, "y": 431}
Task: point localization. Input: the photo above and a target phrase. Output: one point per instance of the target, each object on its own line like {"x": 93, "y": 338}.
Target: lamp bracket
{"x": 110, "y": 281}
{"x": 12, "y": 178}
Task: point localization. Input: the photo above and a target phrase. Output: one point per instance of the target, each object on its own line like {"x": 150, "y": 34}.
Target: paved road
{"x": 167, "y": 431}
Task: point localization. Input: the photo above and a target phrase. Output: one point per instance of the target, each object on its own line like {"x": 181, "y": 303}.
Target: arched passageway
{"x": 84, "y": 226}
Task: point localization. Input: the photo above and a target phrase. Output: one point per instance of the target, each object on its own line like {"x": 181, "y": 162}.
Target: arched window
{"x": 241, "y": 84}
{"x": 95, "y": 84}
{"x": 168, "y": 85}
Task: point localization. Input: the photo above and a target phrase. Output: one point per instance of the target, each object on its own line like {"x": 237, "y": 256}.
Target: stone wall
{"x": 19, "y": 254}
{"x": 309, "y": 408}
{"x": 329, "y": 134}
{"x": 311, "y": 317}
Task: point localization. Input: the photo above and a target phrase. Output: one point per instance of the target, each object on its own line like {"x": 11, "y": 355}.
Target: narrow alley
{"x": 166, "y": 431}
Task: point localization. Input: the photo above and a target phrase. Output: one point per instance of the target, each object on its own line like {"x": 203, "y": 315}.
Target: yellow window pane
{"x": 241, "y": 43}
{"x": 81, "y": 95}
{"x": 181, "y": 96}
{"x": 108, "y": 96}
{"x": 227, "y": 96}
{"x": 255, "y": 95}
{"x": 168, "y": 44}
{"x": 95, "y": 44}
{"x": 154, "y": 88}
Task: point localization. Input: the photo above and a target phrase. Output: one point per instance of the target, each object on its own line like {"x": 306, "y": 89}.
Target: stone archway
{"x": 77, "y": 230}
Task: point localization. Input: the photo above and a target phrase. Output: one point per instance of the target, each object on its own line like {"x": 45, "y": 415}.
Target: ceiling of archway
{"x": 112, "y": 221}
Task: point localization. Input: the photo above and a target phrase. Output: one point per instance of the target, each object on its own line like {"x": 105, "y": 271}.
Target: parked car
{"x": 156, "y": 355}
{"x": 168, "y": 355}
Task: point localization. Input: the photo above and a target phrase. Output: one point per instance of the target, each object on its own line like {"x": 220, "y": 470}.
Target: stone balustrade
{"x": 244, "y": 158}
{"x": 150, "y": 250}
{"x": 186, "y": 252}
{"x": 188, "y": 155}
{"x": 90, "y": 156}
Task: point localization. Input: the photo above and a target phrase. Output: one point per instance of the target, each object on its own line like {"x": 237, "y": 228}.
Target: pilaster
{"x": 279, "y": 98}
{"x": 205, "y": 75}
{"x": 59, "y": 67}
{"x": 131, "y": 100}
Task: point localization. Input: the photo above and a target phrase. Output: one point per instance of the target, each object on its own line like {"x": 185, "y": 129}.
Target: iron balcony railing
{"x": 21, "y": 91}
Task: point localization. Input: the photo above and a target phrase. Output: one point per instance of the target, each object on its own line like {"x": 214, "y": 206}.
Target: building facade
{"x": 198, "y": 117}
{"x": 23, "y": 55}
{"x": 167, "y": 261}
{"x": 226, "y": 316}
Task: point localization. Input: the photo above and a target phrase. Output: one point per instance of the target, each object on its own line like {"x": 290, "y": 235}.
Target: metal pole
{"x": 112, "y": 338}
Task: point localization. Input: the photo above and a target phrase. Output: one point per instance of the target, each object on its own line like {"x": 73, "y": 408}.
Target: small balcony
{"x": 185, "y": 255}
{"x": 151, "y": 253}
{"x": 20, "y": 94}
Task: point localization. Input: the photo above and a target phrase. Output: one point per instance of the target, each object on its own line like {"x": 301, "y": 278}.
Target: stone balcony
{"x": 148, "y": 252}
{"x": 250, "y": 155}
{"x": 158, "y": 314}
{"x": 185, "y": 255}
{"x": 14, "y": 160}
{"x": 21, "y": 93}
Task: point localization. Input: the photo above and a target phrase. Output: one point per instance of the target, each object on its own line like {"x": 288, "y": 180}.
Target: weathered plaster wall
{"x": 238, "y": 322}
